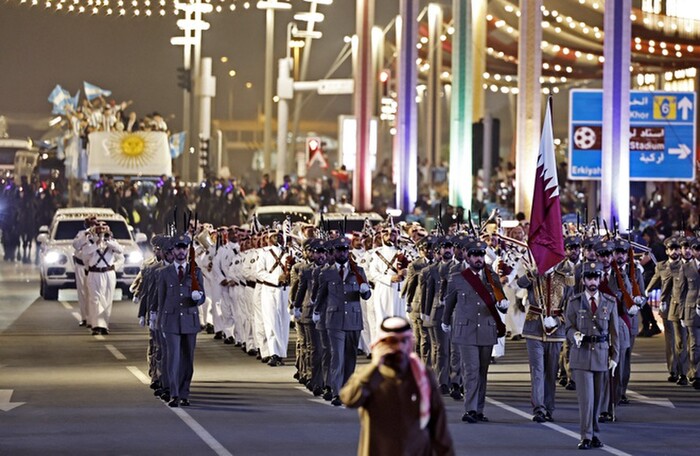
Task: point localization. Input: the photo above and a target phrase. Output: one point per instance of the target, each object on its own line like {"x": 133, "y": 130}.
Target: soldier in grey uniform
{"x": 412, "y": 292}
{"x": 663, "y": 278}
{"x": 544, "y": 333}
{"x": 471, "y": 299}
{"x": 433, "y": 305}
{"x": 340, "y": 287}
{"x": 690, "y": 296}
{"x": 591, "y": 327}
{"x": 163, "y": 391}
{"x": 178, "y": 318}
{"x": 303, "y": 309}
{"x": 675, "y": 312}
{"x": 621, "y": 255}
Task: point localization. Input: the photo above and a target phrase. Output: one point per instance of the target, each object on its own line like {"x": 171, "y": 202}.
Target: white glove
{"x": 697, "y": 311}
{"x": 503, "y": 304}
{"x": 297, "y": 313}
{"x": 316, "y": 317}
{"x": 578, "y": 338}
{"x": 426, "y": 318}
{"x": 639, "y": 300}
{"x": 550, "y": 322}
{"x": 633, "y": 310}
{"x": 663, "y": 307}
{"x": 142, "y": 321}
{"x": 682, "y": 323}
{"x": 364, "y": 288}
{"x": 612, "y": 365}
{"x": 135, "y": 299}
{"x": 152, "y": 321}
{"x": 196, "y": 295}
{"x": 446, "y": 328}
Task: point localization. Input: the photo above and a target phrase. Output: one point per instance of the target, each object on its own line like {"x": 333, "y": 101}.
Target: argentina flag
{"x": 92, "y": 91}
{"x": 59, "y": 97}
{"x": 177, "y": 144}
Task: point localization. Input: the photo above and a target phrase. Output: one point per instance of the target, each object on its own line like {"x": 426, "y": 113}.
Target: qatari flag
{"x": 546, "y": 239}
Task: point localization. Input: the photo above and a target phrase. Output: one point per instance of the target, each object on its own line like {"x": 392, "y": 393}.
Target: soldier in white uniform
{"x": 221, "y": 281}
{"x": 103, "y": 255}
{"x": 80, "y": 241}
{"x": 387, "y": 270}
{"x": 246, "y": 306}
{"x": 273, "y": 273}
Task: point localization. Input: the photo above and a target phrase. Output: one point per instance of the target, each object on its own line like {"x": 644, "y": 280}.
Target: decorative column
{"x": 615, "y": 169}
{"x": 364, "y": 91}
{"x": 405, "y": 141}
{"x": 461, "y": 173}
{"x": 529, "y": 103}
{"x": 478, "y": 31}
{"x": 433, "y": 139}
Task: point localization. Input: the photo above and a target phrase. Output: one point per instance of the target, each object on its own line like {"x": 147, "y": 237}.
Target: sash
{"x": 485, "y": 296}
{"x": 389, "y": 264}
{"x": 621, "y": 311}
{"x": 278, "y": 261}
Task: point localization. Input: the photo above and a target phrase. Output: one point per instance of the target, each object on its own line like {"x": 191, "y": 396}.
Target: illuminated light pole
{"x": 529, "y": 103}
{"x": 434, "y": 131}
{"x": 461, "y": 175}
{"x": 615, "y": 165}
{"x": 192, "y": 26}
{"x": 364, "y": 95}
{"x": 406, "y": 139}
{"x": 270, "y": 6}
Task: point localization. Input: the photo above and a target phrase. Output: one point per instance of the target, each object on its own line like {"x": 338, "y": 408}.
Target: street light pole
{"x": 269, "y": 6}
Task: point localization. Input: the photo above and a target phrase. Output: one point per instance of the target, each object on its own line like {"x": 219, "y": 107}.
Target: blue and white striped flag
{"x": 177, "y": 144}
{"x": 92, "y": 91}
{"x": 75, "y": 100}
{"x": 59, "y": 97}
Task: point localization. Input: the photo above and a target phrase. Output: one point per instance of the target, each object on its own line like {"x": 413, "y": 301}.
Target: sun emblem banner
{"x": 144, "y": 153}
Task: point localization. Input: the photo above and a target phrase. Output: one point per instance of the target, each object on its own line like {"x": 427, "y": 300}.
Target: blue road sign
{"x": 662, "y": 135}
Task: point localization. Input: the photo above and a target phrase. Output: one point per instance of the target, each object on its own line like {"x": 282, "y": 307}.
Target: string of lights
{"x": 126, "y": 8}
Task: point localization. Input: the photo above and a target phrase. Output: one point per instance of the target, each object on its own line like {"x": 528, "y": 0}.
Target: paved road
{"x": 64, "y": 391}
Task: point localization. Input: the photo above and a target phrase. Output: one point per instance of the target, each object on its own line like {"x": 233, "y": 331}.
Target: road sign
{"x": 662, "y": 135}
{"x": 335, "y": 86}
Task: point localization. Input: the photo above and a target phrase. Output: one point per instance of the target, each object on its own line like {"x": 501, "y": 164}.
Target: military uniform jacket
{"x": 146, "y": 295}
{"x": 592, "y": 356}
{"x": 673, "y": 290}
{"x": 663, "y": 278}
{"x": 339, "y": 300}
{"x": 560, "y": 290}
{"x": 302, "y": 298}
{"x": 432, "y": 298}
{"x": 472, "y": 323}
{"x": 178, "y": 313}
{"x": 690, "y": 293}
{"x": 412, "y": 287}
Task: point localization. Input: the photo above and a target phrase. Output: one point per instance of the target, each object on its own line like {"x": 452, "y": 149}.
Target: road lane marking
{"x": 5, "y": 397}
{"x": 186, "y": 418}
{"x": 143, "y": 378}
{"x": 66, "y": 305}
{"x": 77, "y": 316}
{"x": 113, "y": 350}
{"x": 662, "y": 402}
{"x": 554, "y": 427}
{"x": 99, "y": 337}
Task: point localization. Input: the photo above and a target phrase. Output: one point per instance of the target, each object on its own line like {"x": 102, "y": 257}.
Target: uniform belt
{"x": 540, "y": 311}
{"x": 271, "y": 284}
{"x": 77, "y": 260}
{"x": 107, "y": 269}
{"x": 251, "y": 283}
{"x": 595, "y": 339}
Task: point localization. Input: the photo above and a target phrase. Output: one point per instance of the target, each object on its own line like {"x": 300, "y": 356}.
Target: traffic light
{"x": 204, "y": 152}
{"x": 184, "y": 78}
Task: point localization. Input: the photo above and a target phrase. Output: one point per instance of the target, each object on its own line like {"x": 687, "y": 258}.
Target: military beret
{"x": 592, "y": 268}
{"x": 445, "y": 241}
{"x": 181, "y": 241}
{"x": 590, "y": 242}
{"x": 604, "y": 246}
{"x": 672, "y": 242}
{"x": 157, "y": 241}
{"x": 309, "y": 244}
{"x": 427, "y": 242}
{"x": 463, "y": 240}
{"x": 572, "y": 241}
{"x": 167, "y": 243}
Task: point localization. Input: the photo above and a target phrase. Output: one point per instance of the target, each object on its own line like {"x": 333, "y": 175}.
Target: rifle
{"x": 630, "y": 259}
{"x": 193, "y": 265}
{"x": 626, "y": 298}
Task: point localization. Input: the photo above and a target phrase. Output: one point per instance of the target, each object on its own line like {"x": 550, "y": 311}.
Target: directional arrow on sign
{"x": 685, "y": 105}
{"x": 682, "y": 151}
{"x": 5, "y": 404}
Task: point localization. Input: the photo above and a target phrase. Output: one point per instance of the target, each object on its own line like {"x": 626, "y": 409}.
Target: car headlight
{"x": 54, "y": 257}
{"x": 134, "y": 257}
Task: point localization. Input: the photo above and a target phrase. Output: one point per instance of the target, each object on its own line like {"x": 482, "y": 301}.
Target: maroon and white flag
{"x": 546, "y": 239}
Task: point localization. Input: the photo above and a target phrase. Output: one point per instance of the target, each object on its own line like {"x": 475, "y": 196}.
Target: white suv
{"x": 56, "y": 249}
